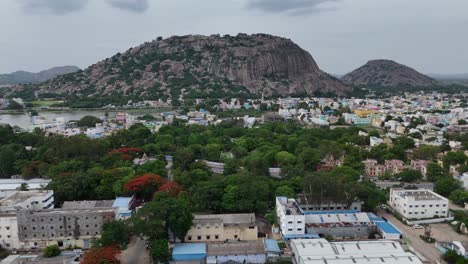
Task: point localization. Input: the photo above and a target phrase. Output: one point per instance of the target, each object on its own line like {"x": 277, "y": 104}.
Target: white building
{"x": 291, "y": 219}
{"x": 9, "y": 238}
{"x": 31, "y": 200}
{"x": 419, "y": 204}
{"x": 320, "y": 251}
{"x": 374, "y": 141}
{"x": 9, "y": 186}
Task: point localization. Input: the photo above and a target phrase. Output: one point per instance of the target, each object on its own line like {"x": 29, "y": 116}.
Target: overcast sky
{"x": 429, "y": 35}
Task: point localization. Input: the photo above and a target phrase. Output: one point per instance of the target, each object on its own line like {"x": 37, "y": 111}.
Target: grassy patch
{"x": 46, "y": 102}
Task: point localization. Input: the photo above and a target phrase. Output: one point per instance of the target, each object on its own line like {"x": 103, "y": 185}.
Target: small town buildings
{"x": 420, "y": 165}
{"x": 319, "y": 251}
{"x": 372, "y": 168}
{"x": 223, "y": 227}
{"x": 394, "y": 166}
{"x": 419, "y": 204}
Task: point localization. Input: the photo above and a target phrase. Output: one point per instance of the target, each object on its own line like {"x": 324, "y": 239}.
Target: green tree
{"x": 426, "y": 152}
{"x": 115, "y": 232}
{"x": 88, "y": 121}
{"x": 285, "y": 190}
{"x": 7, "y": 162}
{"x": 446, "y": 185}
{"x": 159, "y": 250}
{"x": 454, "y": 158}
{"x": 434, "y": 172}
{"x": 52, "y": 251}
{"x": 408, "y": 175}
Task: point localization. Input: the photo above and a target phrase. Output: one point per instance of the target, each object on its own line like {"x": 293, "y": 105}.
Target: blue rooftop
{"x": 122, "y": 202}
{"x": 287, "y": 237}
{"x": 332, "y": 212}
{"x": 192, "y": 251}
{"x": 387, "y": 228}
{"x": 271, "y": 245}
{"x": 375, "y": 218}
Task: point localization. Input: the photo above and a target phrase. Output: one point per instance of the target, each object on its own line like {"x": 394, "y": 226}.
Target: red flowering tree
{"x": 100, "y": 255}
{"x": 171, "y": 188}
{"x": 145, "y": 186}
{"x": 127, "y": 154}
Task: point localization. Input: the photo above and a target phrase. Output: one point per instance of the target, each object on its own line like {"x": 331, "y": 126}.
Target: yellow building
{"x": 223, "y": 227}
{"x": 364, "y": 112}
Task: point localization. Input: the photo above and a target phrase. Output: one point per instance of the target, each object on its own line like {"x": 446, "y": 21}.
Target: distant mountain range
{"x": 387, "y": 73}
{"x": 23, "y": 77}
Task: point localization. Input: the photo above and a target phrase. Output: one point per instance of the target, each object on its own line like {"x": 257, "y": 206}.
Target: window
{"x": 423, "y": 206}
{"x": 199, "y": 237}
{"x": 51, "y": 227}
{"x": 289, "y": 229}
{"x": 299, "y": 229}
{"x": 189, "y": 238}
{"x": 216, "y": 237}
{"x": 235, "y": 236}
{"x": 290, "y": 222}
{"x": 437, "y": 205}
{"x": 416, "y": 206}
{"x": 208, "y": 237}
{"x": 7, "y": 228}
{"x": 299, "y": 222}
{"x": 410, "y": 206}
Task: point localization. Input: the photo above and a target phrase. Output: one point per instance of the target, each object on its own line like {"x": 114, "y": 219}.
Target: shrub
{"x": 52, "y": 251}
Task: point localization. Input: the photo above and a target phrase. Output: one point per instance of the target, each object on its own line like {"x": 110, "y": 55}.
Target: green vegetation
{"x": 52, "y": 251}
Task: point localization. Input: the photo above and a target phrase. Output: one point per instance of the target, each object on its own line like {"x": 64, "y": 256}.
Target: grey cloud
{"x": 53, "y": 6}
{"x": 130, "y": 5}
{"x": 289, "y": 6}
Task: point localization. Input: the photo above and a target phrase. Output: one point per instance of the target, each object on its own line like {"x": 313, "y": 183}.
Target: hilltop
{"x": 23, "y": 77}
{"x": 195, "y": 66}
{"x": 387, "y": 73}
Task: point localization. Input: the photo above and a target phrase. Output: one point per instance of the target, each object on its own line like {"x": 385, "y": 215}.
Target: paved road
{"x": 427, "y": 250}
{"x": 136, "y": 252}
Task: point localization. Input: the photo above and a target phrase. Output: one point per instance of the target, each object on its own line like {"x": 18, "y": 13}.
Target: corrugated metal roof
{"x": 271, "y": 245}
{"x": 189, "y": 249}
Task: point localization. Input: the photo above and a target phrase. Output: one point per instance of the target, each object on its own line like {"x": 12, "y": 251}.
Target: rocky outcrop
{"x": 202, "y": 66}
{"x": 387, "y": 73}
{"x": 21, "y": 77}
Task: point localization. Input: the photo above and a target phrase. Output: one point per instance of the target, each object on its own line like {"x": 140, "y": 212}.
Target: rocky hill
{"x": 386, "y": 73}
{"x": 22, "y": 77}
{"x": 201, "y": 66}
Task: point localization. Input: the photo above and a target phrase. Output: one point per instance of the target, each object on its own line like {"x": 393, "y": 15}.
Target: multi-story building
{"x": 394, "y": 166}
{"x": 9, "y": 231}
{"x": 296, "y": 221}
{"x": 372, "y": 168}
{"x": 63, "y": 227}
{"x": 420, "y": 165}
{"x": 223, "y": 227}
{"x": 418, "y": 204}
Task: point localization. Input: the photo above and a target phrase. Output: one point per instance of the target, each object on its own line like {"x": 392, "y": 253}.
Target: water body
{"x": 24, "y": 121}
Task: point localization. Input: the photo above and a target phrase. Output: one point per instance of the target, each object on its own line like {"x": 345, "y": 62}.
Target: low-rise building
{"x": 372, "y": 168}
{"x": 394, "y": 166}
{"x": 419, "y": 204}
{"x": 420, "y": 165}
{"x": 223, "y": 227}
{"x": 319, "y": 251}
{"x": 9, "y": 186}
{"x": 296, "y": 221}
{"x": 30, "y": 200}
